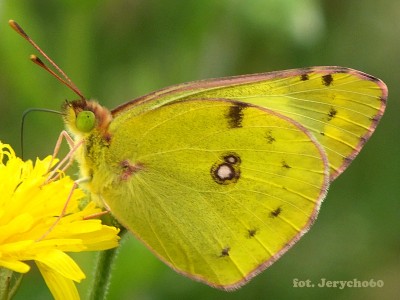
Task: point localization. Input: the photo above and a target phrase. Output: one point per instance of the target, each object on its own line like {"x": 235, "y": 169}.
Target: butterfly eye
{"x": 85, "y": 121}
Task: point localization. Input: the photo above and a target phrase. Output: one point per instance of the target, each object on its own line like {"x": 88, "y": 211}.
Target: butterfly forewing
{"x": 340, "y": 106}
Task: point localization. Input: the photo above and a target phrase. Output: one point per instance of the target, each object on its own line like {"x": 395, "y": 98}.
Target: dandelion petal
{"x": 61, "y": 263}
{"x": 61, "y": 287}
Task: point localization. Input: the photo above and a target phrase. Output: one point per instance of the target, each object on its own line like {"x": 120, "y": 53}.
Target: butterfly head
{"x": 83, "y": 117}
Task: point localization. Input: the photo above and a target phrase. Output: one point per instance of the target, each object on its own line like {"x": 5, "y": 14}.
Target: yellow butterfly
{"x": 220, "y": 177}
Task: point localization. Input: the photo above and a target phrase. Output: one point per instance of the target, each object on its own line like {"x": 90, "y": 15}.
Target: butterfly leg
{"x": 64, "y": 209}
{"x": 99, "y": 214}
{"x": 60, "y": 138}
{"x": 96, "y": 215}
{"x": 66, "y": 162}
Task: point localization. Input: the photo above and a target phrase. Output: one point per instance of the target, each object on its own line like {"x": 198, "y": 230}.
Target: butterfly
{"x": 220, "y": 177}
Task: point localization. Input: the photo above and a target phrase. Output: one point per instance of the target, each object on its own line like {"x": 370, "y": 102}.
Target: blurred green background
{"x": 118, "y": 50}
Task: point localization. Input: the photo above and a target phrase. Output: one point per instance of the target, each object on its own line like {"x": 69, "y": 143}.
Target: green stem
{"x": 102, "y": 275}
{"x": 17, "y": 283}
{"x": 5, "y": 280}
{"x": 9, "y": 283}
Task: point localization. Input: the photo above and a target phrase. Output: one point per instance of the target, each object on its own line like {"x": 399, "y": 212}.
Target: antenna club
{"x": 36, "y": 60}
{"x": 14, "y": 25}
{"x": 41, "y": 64}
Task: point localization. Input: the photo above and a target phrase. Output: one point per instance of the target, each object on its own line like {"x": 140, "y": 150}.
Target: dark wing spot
{"x": 270, "y": 138}
{"x": 285, "y": 165}
{"x": 275, "y": 213}
{"x": 327, "y": 80}
{"x": 225, "y": 252}
{"x": 332, "y": 113}
{"x": 235, "y": 115}
{"x": 322, "y": 133}
{"x": 304, "y": 77}
{"x": 252, "y": 232}
{"x": 232, "y": 159}
{"x": 128, "y": 169}
{"x": 227, "y": 169}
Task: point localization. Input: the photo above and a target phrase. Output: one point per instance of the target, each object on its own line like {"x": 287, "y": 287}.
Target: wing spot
{"x": 231, "y": 159}
{"x": 227, "y": 169}
{"x": 128, "y": 169}
{"x": 332, "y": 113}
{"x": 270, "y": 138}
{"x": 285, "y": 165}
{"x": 276, "y": 212}
{"x": 304, "y": 77}
{"x": 252, "y": 232}
{"x": 235, "y": 114}
{"x": 225, "y": 252}
{"x": 327, "y": 79}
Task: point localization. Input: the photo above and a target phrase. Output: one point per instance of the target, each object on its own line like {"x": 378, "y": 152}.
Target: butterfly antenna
{"x": 65, "y": 80}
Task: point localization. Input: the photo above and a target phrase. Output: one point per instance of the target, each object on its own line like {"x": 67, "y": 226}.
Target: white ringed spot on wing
{"x": 227, "y": 169}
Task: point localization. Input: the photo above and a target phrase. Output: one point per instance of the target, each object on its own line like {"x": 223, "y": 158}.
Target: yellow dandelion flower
{"x": 29, "y": 207}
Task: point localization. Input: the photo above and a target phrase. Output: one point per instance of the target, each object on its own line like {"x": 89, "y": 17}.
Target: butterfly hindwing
{"x": 217, "y": 189}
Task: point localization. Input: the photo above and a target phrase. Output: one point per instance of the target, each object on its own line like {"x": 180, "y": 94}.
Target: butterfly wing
{"x": 217, "y": 189}
{"x": 340, "y": 106}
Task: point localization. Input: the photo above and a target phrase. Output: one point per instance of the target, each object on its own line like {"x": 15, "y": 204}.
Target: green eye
{"x": 85, "y": 121}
